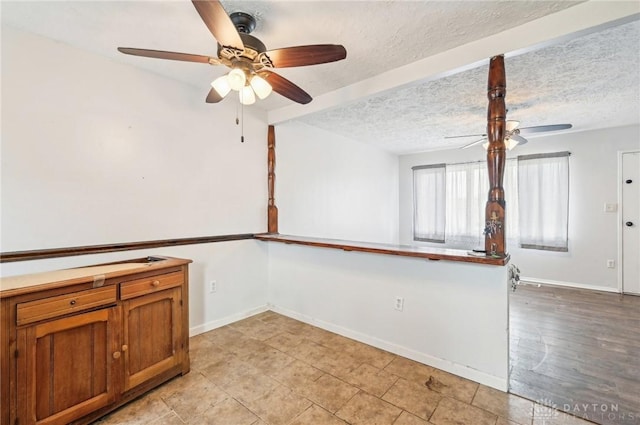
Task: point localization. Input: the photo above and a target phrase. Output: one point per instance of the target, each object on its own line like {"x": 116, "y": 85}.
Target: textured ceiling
{"x": 589, "y": 82}
{"x": 577, "y": 77}
{"x": 378, "y": 35}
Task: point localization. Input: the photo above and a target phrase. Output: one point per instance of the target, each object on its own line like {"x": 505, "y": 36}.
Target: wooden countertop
{"x": 388, "y": 249}
{"x": 21, "y": 284}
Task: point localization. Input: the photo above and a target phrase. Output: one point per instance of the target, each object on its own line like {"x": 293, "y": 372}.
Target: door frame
{"x": 619, "y": 226}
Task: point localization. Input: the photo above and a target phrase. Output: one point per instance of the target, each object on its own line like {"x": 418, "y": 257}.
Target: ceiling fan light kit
{"x": 236, "y": 79}
{"x": 247, "y": 97}
{"x": 250, "y": 62}
{"x": 248, "y": 88}
{"x": 512, "y": 137}
{"x": 221, "y": 85}
{"x": 509, "y": 143}
{"x": 260, "y": 86}
{"x": 512, "y": 125}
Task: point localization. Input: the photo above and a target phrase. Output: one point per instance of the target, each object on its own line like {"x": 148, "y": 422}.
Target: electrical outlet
{"x": 399, "y": 303}
{"x": 611, "y": 264}
{"x": 213, "y": 286}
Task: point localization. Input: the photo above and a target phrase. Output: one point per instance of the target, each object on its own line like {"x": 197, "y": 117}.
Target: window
{"x": 450, "y": 200}
{"x": 543, "y": 189}
{"x": 429, "y": 203}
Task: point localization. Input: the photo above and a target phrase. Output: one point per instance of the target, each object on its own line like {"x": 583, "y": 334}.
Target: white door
{"x": 631, "y": 222}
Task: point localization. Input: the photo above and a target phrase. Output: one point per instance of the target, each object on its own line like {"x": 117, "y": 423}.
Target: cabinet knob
{"x": 125, "y": 347}
{"x": 155, "y": 283}
{"x": 72, "y": 302}
{"x": 116, "y": 355}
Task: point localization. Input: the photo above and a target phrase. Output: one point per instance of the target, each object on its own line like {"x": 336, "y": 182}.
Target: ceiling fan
{"x": 512, "y": 135}
{"x": 250, "y": 62}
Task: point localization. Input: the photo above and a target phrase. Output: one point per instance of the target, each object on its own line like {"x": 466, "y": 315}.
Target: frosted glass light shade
{"x": 512, "y": 125}
{"x": 236, "y": 79}
{"x": 221, "y": 85}
{"x": 246, "y": 96}
{"x": 510, "y": 143}
{"x": 260, "y": 86}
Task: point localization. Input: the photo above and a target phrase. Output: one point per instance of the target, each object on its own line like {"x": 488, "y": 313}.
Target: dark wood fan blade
{"x": 219, "y": 23}
{"x": 159, "y": 54}
{"x": 541, "y": 128}
{"x": 213, "y": 96}
{"x": 286, "y": 88}
{"x": 466, "y": 135}
{"x": 477, "y": 142}
{"x": 306, "y": 55}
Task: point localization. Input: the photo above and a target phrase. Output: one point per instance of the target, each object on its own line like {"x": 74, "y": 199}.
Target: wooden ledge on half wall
{"x": 427, "y": 253}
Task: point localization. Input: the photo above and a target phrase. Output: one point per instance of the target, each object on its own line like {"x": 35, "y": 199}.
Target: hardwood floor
{"x": 577, "y": 350}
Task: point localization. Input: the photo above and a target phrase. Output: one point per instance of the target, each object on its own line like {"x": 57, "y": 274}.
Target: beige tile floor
{"x": 270, "y": 369}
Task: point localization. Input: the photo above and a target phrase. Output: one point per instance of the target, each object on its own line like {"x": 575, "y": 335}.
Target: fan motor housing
{"x": 245, "y": 24}
{"x": 251, "y": 42}
{"x": 252, "y": 48}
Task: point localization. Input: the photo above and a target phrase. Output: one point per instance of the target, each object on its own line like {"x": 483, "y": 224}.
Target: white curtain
{"x": 543, "y": 191}
{"x": 466, "y": 195}
{"x": 450, "y": 201}
{"x": 512, "y": 202}
{"x": 429, "y": 203}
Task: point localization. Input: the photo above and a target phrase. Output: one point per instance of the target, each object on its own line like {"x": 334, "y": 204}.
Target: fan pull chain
{"x": 241, "y": 119}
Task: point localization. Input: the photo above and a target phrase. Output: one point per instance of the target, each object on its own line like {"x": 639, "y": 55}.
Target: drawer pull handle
{"x": 155, "y": 283}
{"x": 116, "y": 355}
{"x": 125, "y": 347}
{"x": 72, "y": 302}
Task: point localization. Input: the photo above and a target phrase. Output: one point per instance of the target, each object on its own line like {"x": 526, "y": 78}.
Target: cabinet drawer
{"x": 34, "y": 311}
{"x": 150, "y": 284}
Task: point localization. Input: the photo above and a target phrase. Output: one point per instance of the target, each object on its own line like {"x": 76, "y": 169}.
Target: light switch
{"x": 610, "y": 208}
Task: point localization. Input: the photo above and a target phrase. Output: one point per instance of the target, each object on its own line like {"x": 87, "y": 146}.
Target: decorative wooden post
{"x": 494, "y": 239}
{"x": 272, "y": 210}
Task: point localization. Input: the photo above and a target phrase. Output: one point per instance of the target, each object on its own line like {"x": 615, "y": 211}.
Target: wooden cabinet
{"x": 66, "y": 366}
{"x": 152, "y": 332}
{"x": 72, "y": 352}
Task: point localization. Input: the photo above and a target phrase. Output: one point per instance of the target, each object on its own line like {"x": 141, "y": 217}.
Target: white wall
{"x": 94, "y": 151}
{"x": 333, "y": 187}
{"x": 593, "y": 234}
{"x": 97, "y": 152}
{"x": 455, "y": 315}
{"x": 239, "y": 269}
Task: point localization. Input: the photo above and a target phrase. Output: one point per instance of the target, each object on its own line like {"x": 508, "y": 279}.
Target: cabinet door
{"x": 152, "y": 329}
{"x": 67, "y": 367}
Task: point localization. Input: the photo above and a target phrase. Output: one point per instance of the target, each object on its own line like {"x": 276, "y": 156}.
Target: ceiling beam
{"x": 576, "y": 21}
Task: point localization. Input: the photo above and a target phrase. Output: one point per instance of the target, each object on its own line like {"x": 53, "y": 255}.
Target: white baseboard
{"x": 534, "y": 280}
{"x": 457, "y": 369}
{"x": 209, "y": 326}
